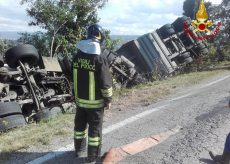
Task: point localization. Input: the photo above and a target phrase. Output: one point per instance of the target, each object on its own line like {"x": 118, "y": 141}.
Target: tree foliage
{"x": 190, "y": 7}
{"x": 38, "y": 39}
{"x": 221, "y": 13}
{"x": 64, "y": 22}
{"x": 110, "y": 43}
{"x": 5, "y": 44}
{"x": 216, "y": 13}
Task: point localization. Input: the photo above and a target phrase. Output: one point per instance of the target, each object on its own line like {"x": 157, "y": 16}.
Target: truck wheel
{"x": 166, "y": 31}
{"x": 178, "y": 24}
{"x": 25, "y": 53}
{"x": 185, "y": 55}
{"x": 137, "y": 79}
{"x": 188, "y": 60}
{"x": 46, "y": 113}
{"x": 181, "y": 59}
{"x": 56, "y": 110}
{"x": 12, "y": 121}
{"x": 9, "y": 108}
{"x": 187, "y": 40}
{"x": 201, "y": 46}
{"x": 204, "y": 51}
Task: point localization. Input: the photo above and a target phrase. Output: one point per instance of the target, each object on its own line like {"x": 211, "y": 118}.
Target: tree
{"x": 38, "y": 39}
{"x": 190, "y": 7}
{"x": 5, "y": 44}
{"x": 64, "y": 21}
{"x": 221, "y": 13}
{"x": 110, "y": 43}
{"x": 216, "y": 13}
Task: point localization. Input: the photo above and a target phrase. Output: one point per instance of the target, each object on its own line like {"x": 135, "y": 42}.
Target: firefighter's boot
{"x": 221, "y": 159}
{"x": 94, "y": 153}
{"x": 80, "y": 147}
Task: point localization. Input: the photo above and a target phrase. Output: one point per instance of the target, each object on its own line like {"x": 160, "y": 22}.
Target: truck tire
{"x": 188, "y": 60}
{"x": 12, "y": 121}
{"x": 201, "y": 46}
{"x": 166, "y": 31}
{"x": 137, "y": 79}
{"x": 204, "y": 51}
{"x": 56, "y": 110}
{"x": 178, "y": 24}
{"x": 181, "y": 59}
{"x": 44, "y": 114}
{"x": 187, "y": 41}
{"x": 25, "y": 53}
{"x": 185, "y": 55}
{"x": 9, "y": 108}
{"x": 47, "y": 113}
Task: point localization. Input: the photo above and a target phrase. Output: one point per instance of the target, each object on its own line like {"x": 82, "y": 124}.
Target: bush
{"x": 5, "y": 44}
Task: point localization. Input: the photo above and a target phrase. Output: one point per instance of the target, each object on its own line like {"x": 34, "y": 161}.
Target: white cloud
{"x": 4, "y": 3}
{"x": 136, "y": 17}
{"x": 8, "y": 24}
{"x": 13, "y": 17}
{"x": 120, "y": 16}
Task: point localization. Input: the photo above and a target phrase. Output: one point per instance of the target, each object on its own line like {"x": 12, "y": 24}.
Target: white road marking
{"x": 130, "y": 120}
{"x": 116, "y": 126}
{"x": 181, "y": 97}
{"x": 216, "y": 81}
{"x": 107, "y": 130}
{"x": 204, "y": 86}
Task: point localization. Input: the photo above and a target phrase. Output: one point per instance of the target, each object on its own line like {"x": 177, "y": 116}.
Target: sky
{"x": 121, "y": 17}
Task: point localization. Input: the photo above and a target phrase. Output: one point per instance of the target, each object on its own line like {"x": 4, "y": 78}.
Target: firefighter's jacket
{"x": 92, "y": 80}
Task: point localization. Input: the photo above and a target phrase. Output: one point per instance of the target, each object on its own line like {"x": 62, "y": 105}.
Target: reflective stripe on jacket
{"x": 92, "y": 80}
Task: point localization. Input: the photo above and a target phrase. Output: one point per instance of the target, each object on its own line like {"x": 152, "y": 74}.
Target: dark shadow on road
{"x": 220, "y": 109}
{"x": 207, "y": 161}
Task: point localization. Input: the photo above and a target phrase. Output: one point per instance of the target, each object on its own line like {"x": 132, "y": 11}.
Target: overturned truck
{"x": 163, "y": 51}
{"x": 32, "y": 87}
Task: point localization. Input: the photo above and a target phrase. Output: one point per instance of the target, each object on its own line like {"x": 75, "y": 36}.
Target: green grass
{"x": 62, "y": 126}
{"x": 158, "y": 89}
{"x": 36, "y": 134}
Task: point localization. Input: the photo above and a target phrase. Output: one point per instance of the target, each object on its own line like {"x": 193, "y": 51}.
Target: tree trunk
{"x": 52, "y": 44}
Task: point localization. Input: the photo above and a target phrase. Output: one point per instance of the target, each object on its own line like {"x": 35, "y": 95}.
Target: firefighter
{"x": 225, "y": 157}
{"x": 92, "y": 91}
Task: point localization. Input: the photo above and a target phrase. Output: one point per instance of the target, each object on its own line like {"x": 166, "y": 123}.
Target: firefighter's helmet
{"x": 96, "y": 33}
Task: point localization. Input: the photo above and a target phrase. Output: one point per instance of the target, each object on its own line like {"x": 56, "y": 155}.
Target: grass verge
{"x": 36, "y": 134}
{"x": 44, "y": 133}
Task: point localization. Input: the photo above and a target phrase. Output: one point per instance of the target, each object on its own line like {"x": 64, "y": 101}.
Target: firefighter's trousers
{"x": 227, "y": 143}
{"x": 94, "y": 119}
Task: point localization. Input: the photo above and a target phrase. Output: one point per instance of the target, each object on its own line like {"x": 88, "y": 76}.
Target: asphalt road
{"x": 201, "y": 111}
